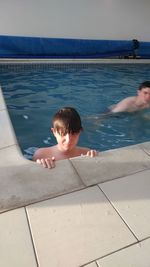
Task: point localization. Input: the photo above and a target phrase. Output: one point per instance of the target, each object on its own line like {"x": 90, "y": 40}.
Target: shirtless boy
{"x": 66, "y": 129}
{"x": 135, "y": 103}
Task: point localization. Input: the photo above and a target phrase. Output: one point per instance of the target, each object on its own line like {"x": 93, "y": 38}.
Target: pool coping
{"x": 74, "y": 60}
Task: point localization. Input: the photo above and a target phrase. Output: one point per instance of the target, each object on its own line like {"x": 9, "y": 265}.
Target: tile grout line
{"x": 52, "y": 197}
{"x": 121, "y": 249}
{"x": 97, "y": 265}
{"x": 118, "y": 213}
{"x": 109, "y": 254}
{"x": 32, "y": 241}
{"x": 77, "y": 173}
{"x": 86, "y": 264}
{"x": 5, "y": 147}
{"x": 145, "y": 151}
{"x": 122, "y": 176}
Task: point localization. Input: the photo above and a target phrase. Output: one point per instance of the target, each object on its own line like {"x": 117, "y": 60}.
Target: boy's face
{"x": 66, "y": 142}
{"x": 144, "y": 94}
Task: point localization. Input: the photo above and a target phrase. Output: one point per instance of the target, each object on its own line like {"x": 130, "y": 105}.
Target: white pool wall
{"x": 105, "y": 19}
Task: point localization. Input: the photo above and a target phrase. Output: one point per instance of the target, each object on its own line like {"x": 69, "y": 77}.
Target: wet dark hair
{"x": 144, "y": 84}
{"x": 67, "y": 120}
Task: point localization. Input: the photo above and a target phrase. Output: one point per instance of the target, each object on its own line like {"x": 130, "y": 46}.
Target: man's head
{"x": 144, "y": 85}
{"x": 144, "y": 91}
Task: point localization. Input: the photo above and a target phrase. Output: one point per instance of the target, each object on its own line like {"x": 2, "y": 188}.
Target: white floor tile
{"x": 16, "y": 248}
{"x": 131, "y": 197}
{"x": 93, "y": 264}
{"x": 134, "y": 256}
{"x": 77, "y": 228}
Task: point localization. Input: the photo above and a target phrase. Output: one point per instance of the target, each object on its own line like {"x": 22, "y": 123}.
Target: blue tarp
{"x": 20, "y": 47}
{"x": 144, "y": 50}
{"x": 38, "y": 47}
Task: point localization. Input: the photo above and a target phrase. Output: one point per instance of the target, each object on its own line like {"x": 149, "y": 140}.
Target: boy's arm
{"x": 37, "y": 155}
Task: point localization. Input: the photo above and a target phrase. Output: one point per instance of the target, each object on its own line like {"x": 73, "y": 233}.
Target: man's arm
{"x": 123, "y": 105}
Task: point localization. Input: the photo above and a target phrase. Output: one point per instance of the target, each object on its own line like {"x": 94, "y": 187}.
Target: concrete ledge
{"x": 2, "y": 102}
{"x": 7, "y": 136}
{"x": 24, "y": 182}
{"x": 111, "y": 164}
{"x": 8, "y": 60}
{"x": 146, "y": 147}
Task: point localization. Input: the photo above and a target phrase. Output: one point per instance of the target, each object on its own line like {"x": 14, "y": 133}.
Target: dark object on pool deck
{"x": 134, "y": 54}
{"x": 136, "y": 45}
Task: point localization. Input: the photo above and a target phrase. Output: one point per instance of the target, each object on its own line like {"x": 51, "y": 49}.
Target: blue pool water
{"x": 34, "y": 93}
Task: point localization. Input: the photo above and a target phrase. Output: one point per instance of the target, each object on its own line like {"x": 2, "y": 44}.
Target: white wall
{"x": 94, "y": 19}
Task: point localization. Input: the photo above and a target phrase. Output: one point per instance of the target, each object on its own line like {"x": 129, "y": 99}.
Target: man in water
{"x": 134, "y": 103}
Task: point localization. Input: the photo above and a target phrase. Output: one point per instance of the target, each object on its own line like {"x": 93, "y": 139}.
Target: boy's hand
{"x": 91, "y": 153}
{"x": 47, "y": 163}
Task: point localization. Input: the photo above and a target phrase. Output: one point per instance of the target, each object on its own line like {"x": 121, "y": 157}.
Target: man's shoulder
{"x": 124, "y": 104}
{"x": 129, "y": 99}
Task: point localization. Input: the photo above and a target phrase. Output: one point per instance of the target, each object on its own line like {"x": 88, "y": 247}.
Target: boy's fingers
{"x": 50, "y": 163}
{"x": 94, "y": 153}
{"x": 47, "y": 163}
{"x": 41, "y": 161}
{"x": 91, "y": 153}
{"x": 44, "y": 163}
{"x": 53, "y": 162}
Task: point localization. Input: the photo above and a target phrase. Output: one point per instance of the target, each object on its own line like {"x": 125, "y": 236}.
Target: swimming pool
{"x": 34, "y": 92}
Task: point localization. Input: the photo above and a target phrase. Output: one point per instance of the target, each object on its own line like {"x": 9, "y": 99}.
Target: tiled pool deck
{"x": 92, "y": 212}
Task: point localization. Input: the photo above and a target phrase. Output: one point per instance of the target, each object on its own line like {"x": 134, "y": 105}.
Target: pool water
{"x": 33, "y": 94}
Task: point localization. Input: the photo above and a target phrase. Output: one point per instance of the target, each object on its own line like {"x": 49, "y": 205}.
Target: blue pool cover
{"x": 39, "y": 47}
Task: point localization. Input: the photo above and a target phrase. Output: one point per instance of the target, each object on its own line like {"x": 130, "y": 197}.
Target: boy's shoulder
{"x": 42, "y": 153}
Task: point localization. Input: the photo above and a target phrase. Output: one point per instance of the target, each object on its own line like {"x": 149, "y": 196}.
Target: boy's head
{"x": 67, "y": 120}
